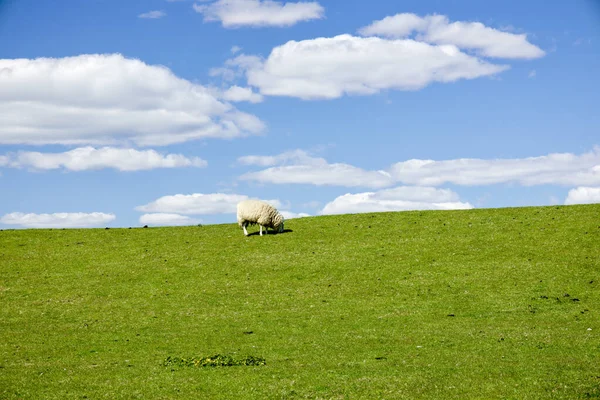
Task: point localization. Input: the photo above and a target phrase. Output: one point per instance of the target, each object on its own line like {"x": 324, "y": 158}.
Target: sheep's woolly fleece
{"x": 258, "y": 212}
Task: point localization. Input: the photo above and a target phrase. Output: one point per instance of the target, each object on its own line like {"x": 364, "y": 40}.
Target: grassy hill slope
{"x": 501, "y": 303}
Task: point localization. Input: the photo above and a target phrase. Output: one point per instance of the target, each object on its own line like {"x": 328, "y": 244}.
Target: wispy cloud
{"x": 299, "y": 167}
{"x": 257, "y": 13}
{"x": 532, "y": 73}
{"x": 557, "y": 169}
{"x": 305, "y": 169}
{"x": 153, "y": 15}
{"x": 108, "y": 99}
{"x": 581, "y": 41}
{"x": 89, "y": 158}
{"x": 292, "y": 157}
{"x": 57, "y": 220}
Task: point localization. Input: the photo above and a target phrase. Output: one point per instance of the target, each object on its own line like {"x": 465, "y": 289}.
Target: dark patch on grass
{"x": 217, "y": 360}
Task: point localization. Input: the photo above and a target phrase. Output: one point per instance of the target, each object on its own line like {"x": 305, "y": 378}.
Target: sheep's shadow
{"x": 257, "y": 233}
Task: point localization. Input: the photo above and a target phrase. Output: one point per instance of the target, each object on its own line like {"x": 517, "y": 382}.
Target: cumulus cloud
{"x": 328, "y": 68}
{"x": 583, "y": 195}
{"x": 153, "y": 15}
{"x": 87, "y": 158}
{"x": 397, "y": 199}
{"x": 258, "y": 13}
{"x": 437, "y": 29}
{"x": 198, "y": 204}
{"x": 166, "y": 219}
{"x": 558, "y": 169}
{"x": 237, "y": 94}
{"x": 109, "y": 99}
{"x": 57, "y": 220}
{"x": 293, "y": 215}
{"x": 305, "y": 169}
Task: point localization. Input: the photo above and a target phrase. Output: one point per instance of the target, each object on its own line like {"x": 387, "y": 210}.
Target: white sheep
{"x": 250, "y": 212}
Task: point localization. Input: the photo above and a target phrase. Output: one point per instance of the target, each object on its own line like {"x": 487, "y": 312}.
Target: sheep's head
{"x": 278, "y": 223}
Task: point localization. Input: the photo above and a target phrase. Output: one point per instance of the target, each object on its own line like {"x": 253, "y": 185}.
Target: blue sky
{"x": 169, "y": 112}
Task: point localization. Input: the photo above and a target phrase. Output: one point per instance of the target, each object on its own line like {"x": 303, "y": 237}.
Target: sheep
{"x": 250, "y": 212}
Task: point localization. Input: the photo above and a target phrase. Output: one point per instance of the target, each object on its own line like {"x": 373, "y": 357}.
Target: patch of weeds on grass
{"x": 217, "y": 360}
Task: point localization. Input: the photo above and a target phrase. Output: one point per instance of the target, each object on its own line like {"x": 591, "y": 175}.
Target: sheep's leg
{"x": 244, "y": 226}
{"x": 260, "y": 230}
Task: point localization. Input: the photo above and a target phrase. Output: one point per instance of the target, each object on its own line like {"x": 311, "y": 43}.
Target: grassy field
{"x": 501, "y": 303}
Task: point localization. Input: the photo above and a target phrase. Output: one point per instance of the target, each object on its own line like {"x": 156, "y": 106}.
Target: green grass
{"x": 500, "y": 303}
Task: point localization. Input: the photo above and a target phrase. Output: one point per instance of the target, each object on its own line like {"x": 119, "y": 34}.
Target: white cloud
{"x": 57, "y": 220}
{"x": 198, "y": 204}
{"x": 437, "y": 29}
{"x": 227, "y": 74}
{"x": 292, "y": 215}
{"x": 297, "y": 157}
{"x": 235, "y": 67}
{"x": 581, "y": 41}
{"x": 153, "y": 14}
{"x": 235, "y": 49}
{"x": 257, "y": 13}
{"x": 108, "y": 99}
{"x": 397, "y": 26}
{"x": 237, "y": 94}
{"x": 532, "y": 73}
{"x": 305, "y": 169}
{"x": 583, "y": 195}
{"x": 330, "y": 174}
{"x": 167, "y": 219}
{"x": 328, "y": 68}
{"x": 557, "y": 169}
{"x": 396, "y": 199}
{"x": 86, "y": 158}
{"x": 299, "y": 167}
